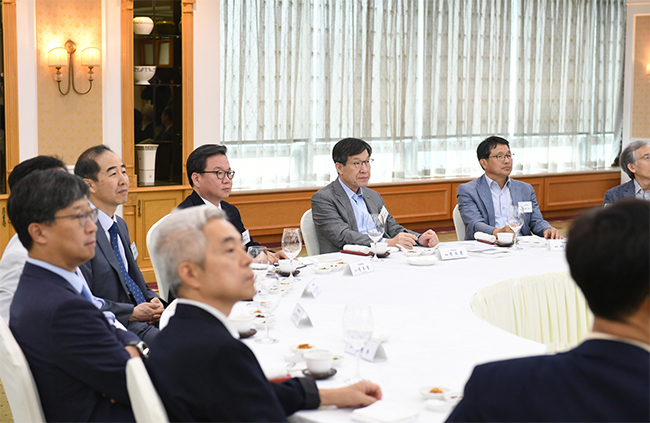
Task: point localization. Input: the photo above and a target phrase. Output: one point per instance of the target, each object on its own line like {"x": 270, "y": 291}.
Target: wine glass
{"x": 375, "y": 230}
{"x": 515, "y": 221}
{"x": 291, "y": 245}
{"x": 357, "y": 330}
{"x": 267, "y": 299}
{"x": 260, "y": 263}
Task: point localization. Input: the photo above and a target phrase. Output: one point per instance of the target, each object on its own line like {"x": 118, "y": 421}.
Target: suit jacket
{"x": 231, "y": 211}
{"x": 619, "y": 192}
{"x": 78, "y": 360}
{"x": 600, "y": 380}
{"x": 477, "y": 210}
{"x": 105, "y": 280}
{"x": 202, "y": 373}
{"x": 335, "y": 222}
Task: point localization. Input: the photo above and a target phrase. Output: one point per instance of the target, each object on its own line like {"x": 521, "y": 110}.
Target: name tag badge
{"x": 245, "y": 237}
{"x": 134, "y": 251}
{"x": 383, "y": 214}
{"x": 526, "y": 206}
{"x": 360, "y": 267}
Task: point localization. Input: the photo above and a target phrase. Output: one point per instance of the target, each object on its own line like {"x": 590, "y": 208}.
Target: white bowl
{"x": 425, "y": 391}
{"x": 142, "y": 25}
{"x": 322, "y": 269}
{"x": 306, "y": 347}
{"x": 142, "y": 74}
{"x": 427, "y": 252}
{"x": 412, "y": 253}
{"x": 318, "y": 362}
{"x": 339, "y": 265}
{"x": 242, "y": 323}
{"x": 422, "y": 261}
{"x": 259, "y": 322}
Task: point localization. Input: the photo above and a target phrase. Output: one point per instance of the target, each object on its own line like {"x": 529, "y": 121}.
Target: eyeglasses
{"x": 83, "y": 217}
{"x": 645, "y": 157}
{"x": 221, "y": 173}
{"x": 367, "y": 163}
{"x": 501, "y": 157}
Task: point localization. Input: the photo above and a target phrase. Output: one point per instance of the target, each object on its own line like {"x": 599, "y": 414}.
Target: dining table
{"x": 423, "y": 321}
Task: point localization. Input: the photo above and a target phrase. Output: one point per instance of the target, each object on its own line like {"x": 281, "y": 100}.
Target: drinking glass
{"x": 260, "y": 264}
{"x": 357, "y": 330}
{"x": 515, "y": 221}
{"x": 267, "y": 299}
{"x": 375, "y": 230}
{"x": 291, "y": 245}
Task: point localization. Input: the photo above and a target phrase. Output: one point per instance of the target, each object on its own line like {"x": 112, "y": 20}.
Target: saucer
{"x": 286, "y": 274}
{"x": 425, "y": 391}
{"x": 319, "y": 376}
{"x": 247, "y": 334}
{"x": 422, "y": 261}
{"x": 509, "y": 244}
{"x": 386, "y": 254}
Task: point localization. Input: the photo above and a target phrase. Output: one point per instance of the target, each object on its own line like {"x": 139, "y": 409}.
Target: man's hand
{"x": 552, "y": 233}
{"x": 429, "y": 239}
{"x": 404, "y": 239}
{"x": 147, "y": 312}
{"x": 358, "y": 395}
{"x": 275, "y": 257}
{"x": 133, "y": 351}
{"x": 504, "y": 229}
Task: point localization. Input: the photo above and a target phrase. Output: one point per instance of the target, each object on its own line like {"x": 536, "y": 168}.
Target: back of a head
{"x": 38, "y": 196}
{"x": 608, "y": 251}
{"x": 349, "y": 147}
{"x": 35, "y": 163}
{"x": 86, "y": 166}
{"x": 197, "y": 159}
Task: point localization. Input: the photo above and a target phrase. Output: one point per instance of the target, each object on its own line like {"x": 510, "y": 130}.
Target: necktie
{"x": 133, "y": 287}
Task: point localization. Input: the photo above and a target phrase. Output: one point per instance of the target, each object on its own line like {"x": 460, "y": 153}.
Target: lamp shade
{"x": 57, "y": 57}
{"x": 91, "y": 57}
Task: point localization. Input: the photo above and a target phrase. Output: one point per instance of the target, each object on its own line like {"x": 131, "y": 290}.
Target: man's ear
{"x": 339, "y": 167}
{"x": 195, "y": 179}
{"x": 483, "y": 163}
{"x": 190, "y": 274}
{"x": 631, "y": 167}
{"x": 91, "y": 185}
{"x": 38, "y": 233}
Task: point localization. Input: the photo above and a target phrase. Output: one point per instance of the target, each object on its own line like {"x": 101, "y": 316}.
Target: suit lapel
{"x": 629, "y": 189}
{"x": 343, "y": 199}
{"x": 105, "y": 247}
{"x": 486, "y": 198}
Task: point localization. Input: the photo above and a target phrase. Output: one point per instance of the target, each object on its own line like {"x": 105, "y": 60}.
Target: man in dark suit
{"x": 635, "y": 162}
{"x": 211, "y": 177}
{"x": 113, "y": 273}
{"x": 607, "y": 377}
{"x": 484, "y": 203}
{"x": 77, "y": 358}
{"x": 341, "y": 209}
{"x": 199, "y": 367}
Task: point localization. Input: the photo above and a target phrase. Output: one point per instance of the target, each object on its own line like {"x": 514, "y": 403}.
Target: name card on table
{"x": 300, "y": 318}
{"x": 372, "y": 351}
{"x": 556, "y": 244}
{"x": 311, "y": 289}
{"x": 360, "y": 267}
{"x": 452, "y": 253}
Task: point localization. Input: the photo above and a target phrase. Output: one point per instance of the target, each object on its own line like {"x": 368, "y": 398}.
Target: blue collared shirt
{"x": 359, "y": 206}
{"x": 501, "y": 200}
{"x": 106, "y": 222}
{"x": 639, "y": 193}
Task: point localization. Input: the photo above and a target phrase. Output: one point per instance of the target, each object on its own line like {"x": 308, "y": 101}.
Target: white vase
{"x": 142, "y": 74}
{"x": 146, "y": 163}
{"x": 142, "y": 25}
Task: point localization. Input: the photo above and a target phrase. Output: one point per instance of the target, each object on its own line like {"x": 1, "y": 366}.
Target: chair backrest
{"x": 167, "y": 314}
{"x": 459, "y": 224}
{"x": 163, "y": 285}
{"x": 17, "y": 379}
{"x": 145, "y": 402}
{"x": 309, "y": 235}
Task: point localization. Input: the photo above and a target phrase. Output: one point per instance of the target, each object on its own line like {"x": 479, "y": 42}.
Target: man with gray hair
{"x": 199, "y": 367}
{"x": 635, "y": 161}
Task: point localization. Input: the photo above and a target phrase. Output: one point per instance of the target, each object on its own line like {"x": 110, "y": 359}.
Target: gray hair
{"x": 180, "y": 238}
{"x": 628, "y": 156}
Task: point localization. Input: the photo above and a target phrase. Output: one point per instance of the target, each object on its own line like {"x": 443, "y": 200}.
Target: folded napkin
{"x": 357, "y": 248}
{"x": 482, "y": 236}
{"x": 384, "y": 412}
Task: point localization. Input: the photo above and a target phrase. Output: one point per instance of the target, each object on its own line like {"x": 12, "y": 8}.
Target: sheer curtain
{"x": 423, "y": 80}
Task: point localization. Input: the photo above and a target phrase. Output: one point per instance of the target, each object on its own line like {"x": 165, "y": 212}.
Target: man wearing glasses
{"x": 484, "y": 203}
{"x": 211, "y": 177}
{"x": 635, "y": 161}
{"x": 341, "y": 209}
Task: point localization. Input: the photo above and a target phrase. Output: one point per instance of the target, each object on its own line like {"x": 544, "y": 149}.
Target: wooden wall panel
{"x": 418, "y": 203}
{"x": 538, "y": 186}
{"x": 577, "y": 191}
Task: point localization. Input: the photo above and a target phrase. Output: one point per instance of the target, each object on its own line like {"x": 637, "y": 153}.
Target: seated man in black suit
{"x": 201, "y": 371}
{"x": 211, "y": 177}
{"x": 77, "y": 358}
{"x": 635, "y": 162}
{"x": 607, "y": 377}
{"x": 113, "y": 274}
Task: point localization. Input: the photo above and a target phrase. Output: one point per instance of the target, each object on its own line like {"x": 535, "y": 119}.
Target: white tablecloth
{"x": 435, "y": 338}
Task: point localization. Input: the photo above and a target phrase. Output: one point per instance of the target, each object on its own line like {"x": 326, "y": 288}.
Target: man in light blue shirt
{"x": 635, "y": 162}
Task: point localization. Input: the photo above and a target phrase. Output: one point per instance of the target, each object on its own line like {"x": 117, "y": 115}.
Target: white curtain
{"x": 424, "y": 81}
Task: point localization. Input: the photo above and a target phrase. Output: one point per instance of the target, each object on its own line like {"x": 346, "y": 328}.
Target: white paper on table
{"x": 384, "y": 412}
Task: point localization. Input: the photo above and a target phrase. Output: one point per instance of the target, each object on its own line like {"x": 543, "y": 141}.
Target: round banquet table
{"x": 435, "y": 338}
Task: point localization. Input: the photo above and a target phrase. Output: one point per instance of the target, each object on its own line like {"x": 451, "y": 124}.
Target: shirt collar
{"x": 637, "y": 188}
{"x": 71, "y": 277}
{"x": 210, "y": 203}
{"x": 351, "y": 194}
{"x": 609, "y": 337}
{"x": 216, "y": 313}
{"x": 490, "y": 182}
{"x": 105, "y": 220}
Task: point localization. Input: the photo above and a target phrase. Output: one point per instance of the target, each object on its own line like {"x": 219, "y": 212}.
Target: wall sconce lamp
{"x": 647, "y": 71}
{"x": 60, "y": 57}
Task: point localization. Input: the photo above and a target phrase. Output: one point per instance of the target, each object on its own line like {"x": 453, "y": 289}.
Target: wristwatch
{"x": 141, "y": 346}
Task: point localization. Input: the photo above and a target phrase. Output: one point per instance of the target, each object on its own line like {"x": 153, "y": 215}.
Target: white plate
{"x": 437, "y": 405}
{"x": 392, "y": 250}
{"x": 259, "y": 322}
{"x": 422, "y": 260}
{"x": 425, "y": 391}
{"x": 295, "y": 348}
{"x": 412, "y": 253}
{"x": 380, "y": 335}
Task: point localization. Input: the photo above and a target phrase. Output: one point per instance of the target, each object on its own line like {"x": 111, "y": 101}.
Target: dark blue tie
{"x": 133, "y": 287}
